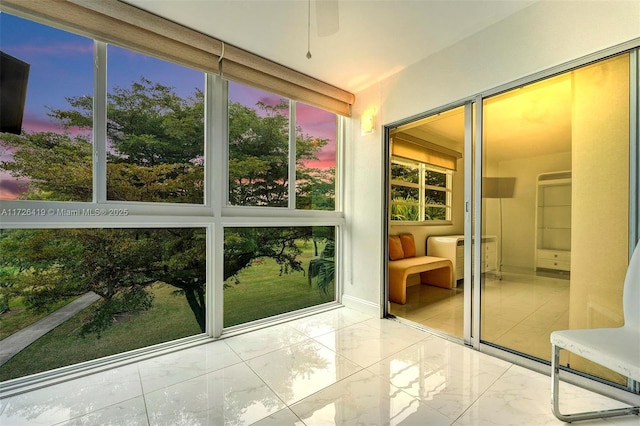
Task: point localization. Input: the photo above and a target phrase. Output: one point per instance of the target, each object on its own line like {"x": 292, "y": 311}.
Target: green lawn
{"x": 261, "y": 292}
{"x": 169, "y": 319}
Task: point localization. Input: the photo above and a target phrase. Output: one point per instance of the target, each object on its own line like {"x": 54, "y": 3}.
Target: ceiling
{"x": 526, "y": 122}
{"x": 376, "y": 38}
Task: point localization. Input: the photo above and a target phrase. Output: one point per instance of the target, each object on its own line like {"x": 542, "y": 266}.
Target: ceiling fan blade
{"x": 327, "y": 17}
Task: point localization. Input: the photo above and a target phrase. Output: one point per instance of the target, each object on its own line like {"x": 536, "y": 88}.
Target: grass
{"x": 169, "y": 319}
{"x": 262, "y": 292}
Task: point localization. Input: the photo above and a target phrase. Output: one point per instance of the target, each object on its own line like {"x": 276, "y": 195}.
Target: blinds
{"x": 118, "y": 23}
{"x": 412, "y": 148}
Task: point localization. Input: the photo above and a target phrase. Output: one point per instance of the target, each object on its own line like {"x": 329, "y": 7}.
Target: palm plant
{"x": 323, "y": 268}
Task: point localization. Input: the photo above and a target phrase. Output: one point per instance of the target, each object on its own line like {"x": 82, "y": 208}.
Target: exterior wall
{"x": 539, "y": 37}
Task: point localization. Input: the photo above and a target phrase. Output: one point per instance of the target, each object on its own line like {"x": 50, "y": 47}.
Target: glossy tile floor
{"x": 519, "y": 311}
{"x": 337, "y": 367}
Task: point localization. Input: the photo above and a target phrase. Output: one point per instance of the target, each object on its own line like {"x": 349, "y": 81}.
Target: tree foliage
{"x": 155, "y": 154}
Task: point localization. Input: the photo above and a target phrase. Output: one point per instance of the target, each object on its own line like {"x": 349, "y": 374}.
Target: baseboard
{"x": 361, "y": 305}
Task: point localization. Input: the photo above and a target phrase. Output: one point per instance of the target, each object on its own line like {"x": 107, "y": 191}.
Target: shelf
{"x": 553, "y": 221}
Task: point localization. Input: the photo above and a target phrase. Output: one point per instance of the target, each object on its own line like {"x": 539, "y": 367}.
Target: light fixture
{"x": 368, "y": 121}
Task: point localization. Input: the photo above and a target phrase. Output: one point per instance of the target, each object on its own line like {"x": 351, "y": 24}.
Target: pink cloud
{"x": 316, "y": 122}
{"x": 36, "y": 124}
{"x": 10, "y": 187}
{"x": 321, "y": 163}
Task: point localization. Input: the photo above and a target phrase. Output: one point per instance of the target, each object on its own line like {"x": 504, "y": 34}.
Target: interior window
{"x": 151, "y": 282}
{"x": 420, "y": 192}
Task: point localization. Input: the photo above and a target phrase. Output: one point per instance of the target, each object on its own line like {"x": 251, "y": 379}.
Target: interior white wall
{"x": 544, "y": 35}
{"x": 518, "y": 213}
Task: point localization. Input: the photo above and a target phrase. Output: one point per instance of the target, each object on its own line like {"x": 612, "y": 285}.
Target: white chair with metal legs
{"x": 617, "y": 349}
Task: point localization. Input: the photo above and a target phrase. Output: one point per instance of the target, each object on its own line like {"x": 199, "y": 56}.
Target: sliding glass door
{"x": 555, "y": 198}
{"x": 426, "y": 201}
{"x": 542, "y": 215}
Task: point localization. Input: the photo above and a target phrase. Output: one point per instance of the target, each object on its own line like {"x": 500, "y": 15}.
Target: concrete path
{"x": 23, "y": 338}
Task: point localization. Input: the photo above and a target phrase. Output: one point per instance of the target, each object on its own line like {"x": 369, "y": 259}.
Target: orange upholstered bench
{"x": 403, "y": 262}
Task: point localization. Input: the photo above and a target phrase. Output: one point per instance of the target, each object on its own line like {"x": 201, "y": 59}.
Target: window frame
{"x": 213, "y": 214}
{"x": 422, "y": 187}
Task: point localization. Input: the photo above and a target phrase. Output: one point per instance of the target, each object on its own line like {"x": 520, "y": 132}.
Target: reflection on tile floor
{"x": 519, "y": 311}
{"x": 336, "y": 367}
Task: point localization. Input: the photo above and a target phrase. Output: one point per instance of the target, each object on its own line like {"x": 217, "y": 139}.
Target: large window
{"x": 420, "y": 192}
{"x": 112, "y": 190}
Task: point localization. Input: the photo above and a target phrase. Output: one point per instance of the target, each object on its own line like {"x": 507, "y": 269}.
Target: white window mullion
{"x": 217, "y": 175}
{"x": 340, "y": 156}
{"x": 292, "y": 155}
{"x": 421, "y": 198}
{"x": 449, "y": 195}
{"x": 100, "y": 123}
{"x": 216, "y": 144}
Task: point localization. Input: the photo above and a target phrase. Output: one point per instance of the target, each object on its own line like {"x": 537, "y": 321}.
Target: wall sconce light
{"x": 368, "y": 121}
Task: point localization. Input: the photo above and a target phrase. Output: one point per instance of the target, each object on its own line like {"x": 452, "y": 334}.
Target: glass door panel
{"x": 556, "y": 200}
{"x": 426, "y": 200}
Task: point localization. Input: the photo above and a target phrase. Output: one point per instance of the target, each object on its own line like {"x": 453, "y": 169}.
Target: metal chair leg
{"x": 555, "y": 397}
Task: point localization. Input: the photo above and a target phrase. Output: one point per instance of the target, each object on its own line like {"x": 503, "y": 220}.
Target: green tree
{"x": 259, "y": 160}
{"x": 56, "y": 166}
{"x": 156, "y": 146}
{"x": 156, "y": 141}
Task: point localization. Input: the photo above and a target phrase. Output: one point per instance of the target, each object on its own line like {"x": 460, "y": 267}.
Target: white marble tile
{"x": 298, "y": 371}
{"x": 397, "y": 329}
{"x": 127, "y": 413}
{"x": 446, "y": 376}
{"x": 522, "y": 396}
{"x": 366, "y": 345}
{"x": 232, "y": 395}
{"x": 365, "y": 399}
{"x": 411, "y": 377}
{"x": 284, "y": 417}
{"x": 326, "y": 322}
{"x": 72, "y": 399}
{"x": 621, "y": 421}
{"x": 179, "y": 366}
{"x": 263, "y": 341}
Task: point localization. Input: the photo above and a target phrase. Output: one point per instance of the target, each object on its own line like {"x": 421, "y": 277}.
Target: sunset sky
{"x": 62, "y": 67}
